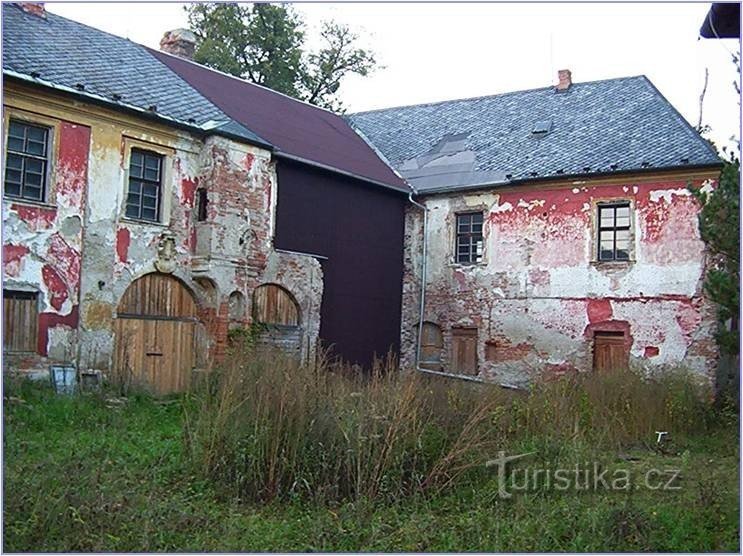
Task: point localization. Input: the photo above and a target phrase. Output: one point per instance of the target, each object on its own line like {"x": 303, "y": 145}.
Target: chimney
{"x": 179, "y": 42}
{"x": 564, "y": 80}
{"x": 33, "y": 8}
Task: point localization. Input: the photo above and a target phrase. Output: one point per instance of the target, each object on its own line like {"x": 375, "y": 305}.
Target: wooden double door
{"x": 156, "y": 334}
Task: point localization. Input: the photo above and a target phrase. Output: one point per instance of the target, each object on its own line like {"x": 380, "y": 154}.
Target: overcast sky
{"x": 434, "y": 52}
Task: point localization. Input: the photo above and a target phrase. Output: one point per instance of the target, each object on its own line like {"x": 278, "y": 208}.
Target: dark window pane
{"x": 34, "y": 165}
{"x": 15, "y": 144}
{"x": 34, "y": 148}
{"x": 33, "y": 179}
{"x": 15, "y": 161}
{"x": 32, "y": 193}
{"x": 13, "y": 176}
{"x": 148, "y": 214}
{"x": 132, "y": 211}
{"x": 135, "y": 187}
{"x": 13, "y": 189}
{"x": 16, "y": 129}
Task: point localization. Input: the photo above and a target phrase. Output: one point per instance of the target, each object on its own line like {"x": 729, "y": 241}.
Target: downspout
{"x": 423, "y": 281}
{"x": 422, "y": 311}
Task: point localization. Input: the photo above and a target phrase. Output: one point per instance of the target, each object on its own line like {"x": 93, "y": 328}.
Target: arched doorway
{"x": 155, "y": 334}
{"x": 277, "y": 314}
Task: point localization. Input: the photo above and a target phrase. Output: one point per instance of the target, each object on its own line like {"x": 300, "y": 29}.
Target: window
{"x": 27, "y": 161}
{"x": 469, "y": 237}
{"x": 201, "y": 202}
{"x": 20, "y": 321}
{"x": 614, "y": 232}
{"x": 145, "y": 186}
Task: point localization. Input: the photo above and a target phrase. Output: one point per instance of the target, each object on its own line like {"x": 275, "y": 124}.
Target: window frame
{"x": 50, "y": 131}
{"x": 613, "y": 204}
{"x": 470, "y": 234}
{"x": 144, "y": 181}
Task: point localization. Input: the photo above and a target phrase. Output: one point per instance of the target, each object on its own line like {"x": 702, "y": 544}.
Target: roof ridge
{"x": 481, "y": 97}
{"x": 245, "y": 81}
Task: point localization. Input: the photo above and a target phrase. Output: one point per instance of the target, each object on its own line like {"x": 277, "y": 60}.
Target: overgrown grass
{"x": 82, "y": 474}
{"x": 265, "y": 427}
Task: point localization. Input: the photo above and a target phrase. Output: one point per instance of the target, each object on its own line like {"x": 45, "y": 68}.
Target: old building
{"x": 139, "y": 216}
{"x": 559, "y": 231}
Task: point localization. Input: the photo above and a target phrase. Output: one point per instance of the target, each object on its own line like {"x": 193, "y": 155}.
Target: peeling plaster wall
{"x": 81, "y": 253}
{"x": 42, "y": 244}
{"x": 539, "y": 294}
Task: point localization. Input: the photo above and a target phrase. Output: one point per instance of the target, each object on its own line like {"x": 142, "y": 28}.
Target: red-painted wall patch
{"x": 55, "y": 286}
{"x": 12, "y": 258}
{"x": 123, "y": 238}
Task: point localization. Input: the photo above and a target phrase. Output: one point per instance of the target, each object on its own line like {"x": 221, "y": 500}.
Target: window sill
{"x": 613, "y": 264}
{"x": 28, "y": 202}
{"x": 481, "y": 264}
{"x": 143, "y": 222}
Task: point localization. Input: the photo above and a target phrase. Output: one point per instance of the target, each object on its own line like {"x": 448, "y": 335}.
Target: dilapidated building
{"x": 140, "y": 216}
{"x": 559, "y": 231}
{"x": 151, "y": 205}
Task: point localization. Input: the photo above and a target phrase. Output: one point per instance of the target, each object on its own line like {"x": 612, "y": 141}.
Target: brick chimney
{"x": 564, "y": 80}
{"x": 179, "y": 42}
{"x": 33, "y": 8}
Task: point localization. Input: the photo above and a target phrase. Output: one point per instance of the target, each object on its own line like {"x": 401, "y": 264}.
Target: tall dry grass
{"x": 267, "y": 427}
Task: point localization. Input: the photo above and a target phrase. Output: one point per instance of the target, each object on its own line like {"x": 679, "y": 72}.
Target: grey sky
{"x": 434, "y": 52}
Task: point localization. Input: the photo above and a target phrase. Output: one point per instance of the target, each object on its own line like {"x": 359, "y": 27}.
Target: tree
{"x": 264, "y": 43}
{"x": 719, "y": 226}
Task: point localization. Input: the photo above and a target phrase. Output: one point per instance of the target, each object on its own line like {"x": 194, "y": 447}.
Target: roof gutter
{"x": 141, "y": 112}
{"x": 287, "y": 156}
{"x": 489, "y": 185}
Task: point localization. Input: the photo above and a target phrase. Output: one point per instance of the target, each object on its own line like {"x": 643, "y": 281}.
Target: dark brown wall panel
{"x": 360, "y": 229}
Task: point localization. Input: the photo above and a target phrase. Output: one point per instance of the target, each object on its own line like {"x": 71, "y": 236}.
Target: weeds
{"x": 267, "y": 427}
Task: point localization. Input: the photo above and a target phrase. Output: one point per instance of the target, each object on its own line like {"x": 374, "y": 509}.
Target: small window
{"x": 145, "y": 186}
{"x": 201, "y": 203}
{"x": 614, "y": 232}
{"x": 469, "y": 237}
{"x": 20, "y": 321}
{"x": 27, "y": 161}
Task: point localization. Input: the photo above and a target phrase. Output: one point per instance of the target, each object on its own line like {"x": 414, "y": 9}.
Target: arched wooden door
{"x": 156, "y": 334}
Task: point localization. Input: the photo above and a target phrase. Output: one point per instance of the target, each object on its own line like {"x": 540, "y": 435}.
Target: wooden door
{"x": 609, "y": 351}
{"x": 464, "y": 351}
{"x": 155, "y": 333}
{"x": 432, "y": 342}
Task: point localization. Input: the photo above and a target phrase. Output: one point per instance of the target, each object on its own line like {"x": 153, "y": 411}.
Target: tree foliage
{"x": 265, "y": 44}
{"x": 719, "y": 226}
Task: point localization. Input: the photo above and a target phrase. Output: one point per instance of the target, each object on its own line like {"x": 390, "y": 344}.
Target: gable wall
{"x": 539, "y": 294}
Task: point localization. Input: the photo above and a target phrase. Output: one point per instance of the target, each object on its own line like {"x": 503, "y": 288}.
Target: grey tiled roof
{"x": 615, "y": 125}
{"x": 61, "y": 52}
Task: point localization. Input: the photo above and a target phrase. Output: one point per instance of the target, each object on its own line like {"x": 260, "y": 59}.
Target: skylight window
{"x": 541, "y": 127}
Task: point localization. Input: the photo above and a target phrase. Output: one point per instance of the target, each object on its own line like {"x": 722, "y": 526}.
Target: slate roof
{"x": 61, "y": 53}
{"x": 58, "y": 52}
{"x": 615, "y": 125}
{"x": 295, "y": 128}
